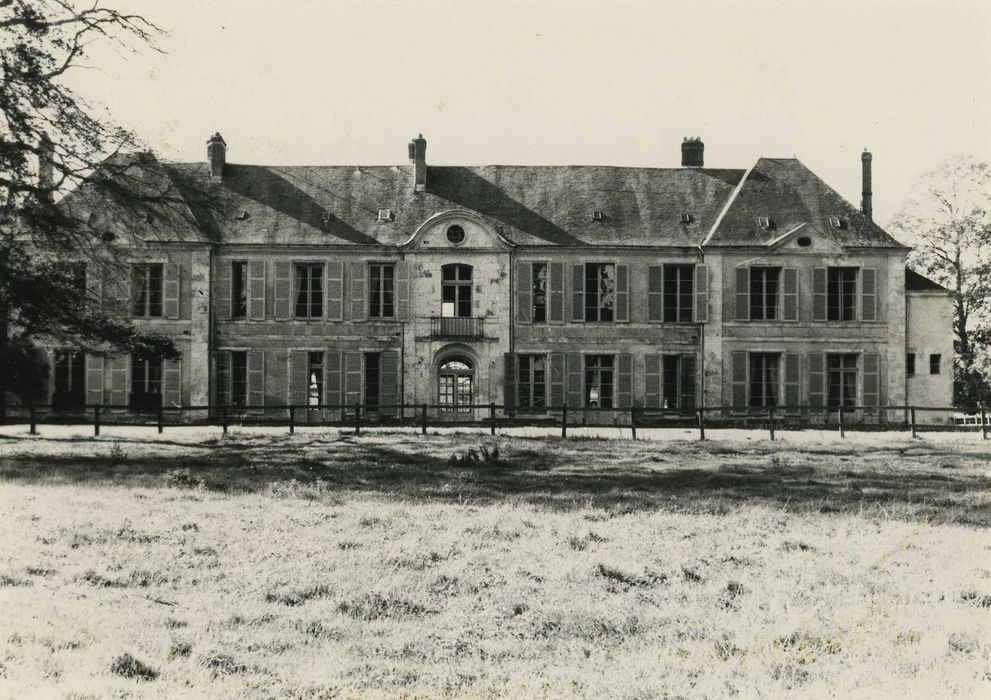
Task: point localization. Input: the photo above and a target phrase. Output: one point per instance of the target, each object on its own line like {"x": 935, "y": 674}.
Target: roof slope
{"x": 790, "y": 194}
{"x": 914, "y": 282}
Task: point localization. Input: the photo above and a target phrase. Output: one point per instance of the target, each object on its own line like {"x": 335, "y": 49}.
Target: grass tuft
{"x": 375, "y": 606}
{"x": 299, "y": 596}
{"x": 129, "y": 667}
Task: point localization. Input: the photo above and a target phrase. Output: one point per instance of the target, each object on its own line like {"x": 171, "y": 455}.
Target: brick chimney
{"x": 46, "y": 168}
{"x": 418, "y": 159}
{"x": 866, "y": 205}
{"x": 692, "y": 149}
{"x": 216, "y": 153}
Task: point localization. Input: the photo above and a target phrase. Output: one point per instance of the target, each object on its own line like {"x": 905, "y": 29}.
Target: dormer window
{"x": 325, "y": 216}
{"x": 385, "y": 215}
{"x": 597, "y": 215}
{"x": 835, "y": 222}
{"x": 686, "y": 218}
{"x": 764, "y": 222}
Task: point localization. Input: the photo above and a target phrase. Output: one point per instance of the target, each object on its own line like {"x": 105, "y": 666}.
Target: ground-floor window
{"x": 532, "y": 381}
{"x": 372, "y": 365}
{"x": 314, "y": 378}
{"x": 456, "y": 378}
{"x": 239, "y": 378}
{"x": 70, "y": 380}
{"x": 841, "y": 380}
{"x": 764, "y": 368}
{"x": 599, "y": 380}
{"x": 670, "y": 381}
{"x": 146, "y": 382}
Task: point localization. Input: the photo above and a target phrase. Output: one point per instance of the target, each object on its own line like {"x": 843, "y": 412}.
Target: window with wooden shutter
{"x": 509, "y": 381}
{"x": 222, "y": 372}
{"x": 524, "y": 292}
{"x": 256, "y": 290}
{"x": 171, "y": 291}
{"x": 335, "y": 290}
{"x": 239, "y": 290}
{"x": 556, "y": 275}
{"x": 742, "y": 294}
{"x": 381, "y": 290}
{"x": 256, "y": 378}
{"x": 357, "y": 270}
{"x": 578, "y": 293}
{"x": 679, "y": 297}
{"x": 283, "y": 290}
{"x": 868, "y": 294}
{"x": 738, "y": 397}
{"x": 819, "y": 294}
{"x": 624, "y": 380}
{"x": 558, "y": 375}
{"x": 792, "y": 382}
{"x": 333, "y": 378}
{"x": 531, "y": 381}
{"x": 702, "y": 293}
{"x": 872, "y": 380}
{"x": 655, "y": 293}
{"x": 298, "y": 376}
{"x": 172, "y": 383}
{"x": 94, "y": 379}
{"x": 652, "y": 381}
{"x": 789, "y": 294}
{"x": 817, "y": 380}
{"x": 389, "y": 389}
{"x": 600, "y": 381}
{"x": 118, "y": 380}
{"x": 222, "y": 290}
{"x": 574, "y": 379}
{"x": 352, "y": 378}
{"x": 622, "y": 293}
{"x": 687, "y": 381}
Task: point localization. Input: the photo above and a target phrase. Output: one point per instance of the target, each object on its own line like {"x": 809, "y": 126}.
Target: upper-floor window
{"x": 678, "y": 289}
{"x": 147, "y": 281}
{"x": 532, "y": 381}
{"x": 239, "y": 289}
{"x": 309, "y": 290}
{"x": 539, "y": 296}
{"x": 599, "y": 380}
{"x": 841, "y": 293}
{"x": 764, "y": 294}
{"x": 78, "y": 273}
{"x": 456, "y": 290}
{"x": 910, "y": 364}
{"x": 600, "y": 291}
{"x": 934, "y": 362}
{"x": 381, "y": 290}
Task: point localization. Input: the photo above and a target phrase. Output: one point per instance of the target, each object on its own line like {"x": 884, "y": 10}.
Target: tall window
{"x": 372, "y": 380}
{"x": 539, "y": 295}
{"x": 146, "y": 382}
{"x": 764, "y": 291}
{"x": 70, "y": 380}
{"x": 910, "y": 364}
{"x": 146, "y": 289}
{"x": 381, "y": 290}
{"x": 841, "y": 379}
{"x": 531, "y": 384}
{"x": 600, "y": 291}
{"x": 934, "y": 362}
{"x": 239, "y": 378}
{"x": 599, "y": 380}
{"x": 841, "y": 293}
{"x": 314, "y": 378}
{"x": 456, "y": 290}
{"x": 239, "y": 290}
{"x": 670, "y": 381}
{"x": 309, "y": 290}
{"x": 764, "y": 379}
{"x": 678, "y": 288}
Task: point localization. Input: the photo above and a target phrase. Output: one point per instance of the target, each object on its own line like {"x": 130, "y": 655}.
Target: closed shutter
{"x": 622, "y": 293}
{"x": 298, "y": 379}
{"x": 256, "y": 378}
{"x": 389, "y": 382}
{"x": 792, "y": 382}
{"x": 256, "y": 289}
{"x": 819, "y": 294}
{"x": 283, "y": 291}
{"x": 117, "y": 289}
{"x": 222, "y": 290}
{"x": 652, "y": 381}
{"x": 556, "y": 284}
{"x": 789, "y": 294}
{"x": 624, "y": 380}
{"x": 172, "y": 383}
{"x": 352, "y": 378}
{"x": 655, "y": 293}
{"x": 402, "y": 290}
{"x": 94, "y": 379}
{"x": 557, "y": 361}
{"x": 358, "y": 305}
{"x": 170, "y": 292}
{"x": 701, "y": 293}
{"x": 222, "y": 363}
{"x": 574, "y": 380}
{"x": 742, "y": 294}
{"x": 335, "y": 290}
{"x": 872, "y": 381}
{"x": 333, "y": 378}
{"x": 118, "y": 380}
{"x": 524, "y": 292}
{"x": 509, "y": 381}
{"x": 817, "y": 380}
{"x": 578, "y": 293}
{"x": 868, "y": 294}
{"x": 739, "y": 381}
{"x": 686, "y": 381}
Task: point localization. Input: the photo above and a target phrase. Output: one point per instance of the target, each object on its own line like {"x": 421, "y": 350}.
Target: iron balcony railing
{"x": 457, "y": 327}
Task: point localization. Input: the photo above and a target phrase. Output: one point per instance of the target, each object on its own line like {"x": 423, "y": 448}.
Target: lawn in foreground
{"x": 320, "y": 566}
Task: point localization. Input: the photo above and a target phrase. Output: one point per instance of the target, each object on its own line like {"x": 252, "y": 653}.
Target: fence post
{"x": 34, "y": 420}
{"x": 357, "y": 419}
{"x": 423, "y": 419}
{"x": 292, "y": 419}
{"x": 912, "y": 412}
{"x": 842, "y": 432}
{"x": 701, "y": 413}
{"x": 633, "y": 422}
{"x": 984, "y": 423}
{"x": 223, "y": 418}
{"x": 160, "y": 419}
{"x": 564, "y": 419}
{"x": 96, "y": 420}
{"x": 492, "y": 417}
{"x": 770, "y": 421}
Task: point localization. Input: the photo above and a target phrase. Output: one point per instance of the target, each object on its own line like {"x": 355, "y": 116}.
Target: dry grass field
{"x": 330, "y": 566}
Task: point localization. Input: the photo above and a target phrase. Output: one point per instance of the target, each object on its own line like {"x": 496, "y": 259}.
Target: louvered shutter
{"x": 819, "y": 294}
{"x": 170, "y": 292}
{"x": 389, "y": 382}
{"x": 283, "y": 292}
{"x": 509, "y": 381}
{"x": 402, "y": 290}
{"x": 557, "y": 362}
{"x": 686, "y": 380}
{"x": 118, "y": 380}
{"x": 524, "y": 292}
{"x": 222, "y": 290}
{"x": 701, "y": 293}
{"x": 222, "y": 365}
{"x": 298, "y": 380}
{"x": 789, "y": 294}
{"x": 652, "y": 381}
{"x": 742, "y": 294}
{"x": 172, "y": 383}
{"x": 556, "y": 284}
{"x": 256, "y": 289}
{"x": 872, "y": 380}
{"x": 739, "y": 381}
{"x": 792, "y": 382}
{"x": 94, "y": 379}
{"x": 352, "y": 378}
{"x": 577, "y": 293}
{"x": 94, "y": 286}
{"x": 335, "y": 290}
{"x": 817, "y": 380}
{"x": 624, "y": 380}
{"x": 358, "y": 305}
{"x": 868, "y": 294}
{"x": 333, "y": 378}
{"x": 574, "y": 380}
{"x": 655, "y": 293}
{"x": 256, "y": 378}
{"x": 622, "y": 293}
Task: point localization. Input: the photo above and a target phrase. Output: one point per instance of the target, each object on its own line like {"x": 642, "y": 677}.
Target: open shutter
{"x": 574, "y": 380}
{"x": 222, "y": 290}
{"x": 94, "y": 286}
{"x": 817, "y": 380}
{"x": 622, "y": 292}
{"x": 556, "y": 274}
{"x": 402, "y": 290}
{"x": 298, "y": 379}
{"x": 577, "y": 293}
{"x": 789, "y": 294}
{"x": 652, "y": 381}
{"x": 742, "y": 294}
{"x": 352, "y": 378}
{"x": 868, "y": 294}
{"x": 524, "y": 292}
{"x": 389, "y": 382}
{"x": 686, "y": 381}
{"x": 335, "y": 290}
{"x": 739, "y": 381}
{"x": 118, "y": 380}
{"x": 256, "y": 378}
{"x": 333, "y": 378}
{"x": 170, "y": 294}
{"x": 792, "y": 383}
{"x": 872, "y": 381}
{"x": 117, "y": 289}
{"x": 624, "y": 380}
{"x": 256, "y": 290}
{"x": 655, "y": 293}
{"x": 509, "y": 381}
{"x": 172, "y": 383}
{"x": 702, "y": 293}
{"x": 222, "y": 364}
{"x": 819, "y": 294}
{"x": 557, "y": 361}
{"x": 357, "y": 292}
{"x": 94, "y": 379}
{"x": 283, "y": 292}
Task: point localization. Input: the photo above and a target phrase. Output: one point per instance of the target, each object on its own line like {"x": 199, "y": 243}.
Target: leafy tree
{"x": 948, "y": 221}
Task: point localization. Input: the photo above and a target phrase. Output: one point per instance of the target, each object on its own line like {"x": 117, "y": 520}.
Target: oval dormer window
{"x": 456, "y": 234}
{"x": 804, "y": 241}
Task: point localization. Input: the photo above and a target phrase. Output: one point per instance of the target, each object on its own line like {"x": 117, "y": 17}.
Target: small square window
{"x": 934, "y": 362}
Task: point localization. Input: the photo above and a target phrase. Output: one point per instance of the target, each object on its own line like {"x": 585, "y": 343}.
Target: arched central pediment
{"x": 456, "y": 229}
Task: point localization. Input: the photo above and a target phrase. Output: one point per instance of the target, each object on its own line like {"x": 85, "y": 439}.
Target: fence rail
{"x": 493, "y": 415}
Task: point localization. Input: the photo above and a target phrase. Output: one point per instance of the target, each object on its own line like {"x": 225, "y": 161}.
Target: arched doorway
{"x": 455, "y": 384}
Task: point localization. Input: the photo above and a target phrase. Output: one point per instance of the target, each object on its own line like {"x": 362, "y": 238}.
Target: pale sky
{"x": 541, "y": 82}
